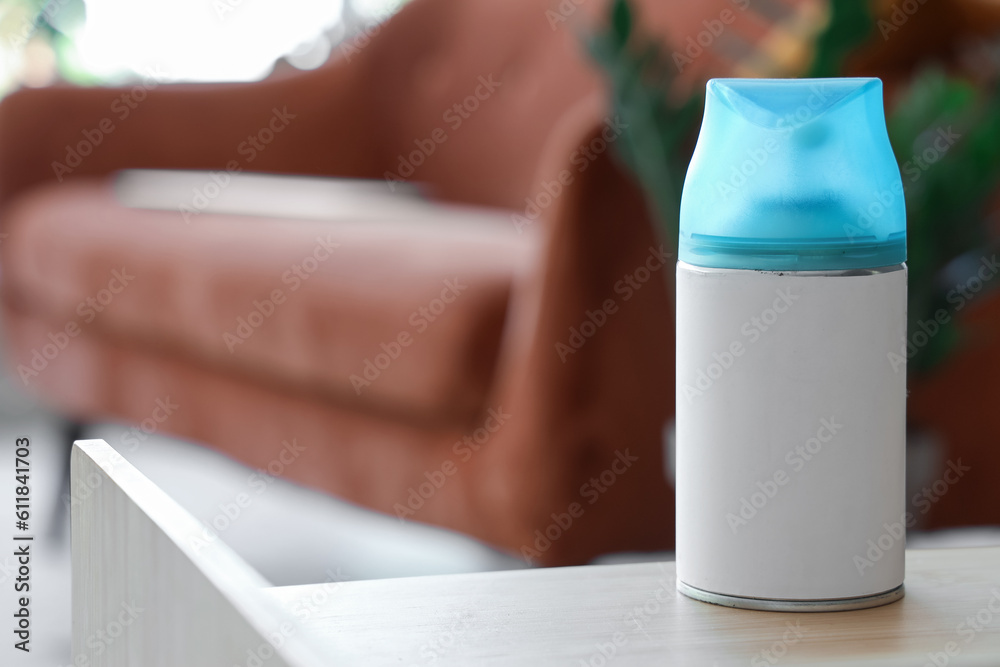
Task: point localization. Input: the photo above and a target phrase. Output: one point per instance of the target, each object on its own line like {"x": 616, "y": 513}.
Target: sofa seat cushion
{"x": 399, "y": 314}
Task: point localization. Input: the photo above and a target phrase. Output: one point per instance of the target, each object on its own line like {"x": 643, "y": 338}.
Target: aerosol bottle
{"x": 791, "y": 319}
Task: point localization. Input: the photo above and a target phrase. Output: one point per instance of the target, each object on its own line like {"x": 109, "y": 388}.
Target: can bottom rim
{"x": 765, "y": 604}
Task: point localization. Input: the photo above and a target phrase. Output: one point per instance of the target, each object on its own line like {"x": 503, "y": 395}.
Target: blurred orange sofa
{"x": 524, "y": 405}
{"x": 529, "y": 412}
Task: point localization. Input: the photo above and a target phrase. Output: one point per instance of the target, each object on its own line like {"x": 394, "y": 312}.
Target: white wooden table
{"x": 135, "y": 549}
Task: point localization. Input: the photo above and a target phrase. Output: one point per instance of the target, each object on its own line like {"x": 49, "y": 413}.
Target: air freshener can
{"x": 791, "y": 350}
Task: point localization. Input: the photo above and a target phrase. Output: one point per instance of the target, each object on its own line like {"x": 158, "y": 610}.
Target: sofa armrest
{"x": 309, "y": 123}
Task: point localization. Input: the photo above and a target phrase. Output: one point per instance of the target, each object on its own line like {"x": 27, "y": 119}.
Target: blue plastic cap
{"x": 793, "y": 175}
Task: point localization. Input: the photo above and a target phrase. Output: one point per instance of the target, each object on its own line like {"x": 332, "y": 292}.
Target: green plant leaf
{"x": 621, "y": 22}
{"x": 851, "y": 24}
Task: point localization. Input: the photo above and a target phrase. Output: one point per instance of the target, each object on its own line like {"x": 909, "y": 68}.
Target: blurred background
{"x": 91, "y": 43}
{"x": 116, "y": 43}
{"x": 449, "y": 125}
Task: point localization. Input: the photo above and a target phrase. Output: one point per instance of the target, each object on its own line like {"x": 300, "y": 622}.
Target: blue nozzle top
{"x": 794, "y": 175}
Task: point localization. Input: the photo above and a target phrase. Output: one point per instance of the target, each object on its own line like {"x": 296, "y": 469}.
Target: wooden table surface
{"x": 192, "y": 601}
{"x": 632, "y": 615}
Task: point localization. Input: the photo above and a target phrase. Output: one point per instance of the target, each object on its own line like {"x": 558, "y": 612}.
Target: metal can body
{"x": 791, "y": 397}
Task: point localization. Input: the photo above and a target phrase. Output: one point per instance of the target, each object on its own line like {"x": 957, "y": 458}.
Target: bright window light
{"x": 202, "y": 40}
{"x": 376, "y": 9}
